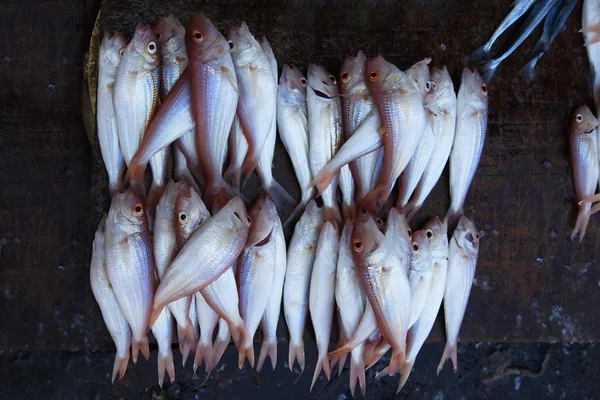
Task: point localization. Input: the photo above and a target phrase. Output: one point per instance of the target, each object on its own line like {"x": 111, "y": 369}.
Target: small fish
{"x": 400, "y": 106}
{"x": 190, "y": 213}
{"x": 181, "y": 169}
{"x": 257, "y": 264}
{"x": 186, "y": 144}
{"x": 553, "y": 24}
{"x": 300, "y": 258}
{"x": 590, "y": 24}
{"x": 419, "y": 275}
{"x": 208, "y": 320}
{"x": 519, "y": 8}
{"x": 215, "y": 97}
{"x": 115, "y": 321}
{"x": 222, "y": 339}
{"x": 384, "y": 281}
{"x": 462, "y": 259}
{"x": 109, "y": 58}
{"x": 471, "y": 127}
{"x": 292, "y": 124}
{"x": 399, "y": 233}
{"x": 534, "y": 17}
{"x": 220, "y": 240}
{"x": 258, "y": 91}
{"x": 173, "y": 56}
{"x": 325, "y": 130}
{"x": 322, "y": 294}
{"x": 163, "y": 333}
{"x": 238, "y": 148}
{"x": 350, "y": 301}
{"x": 443, "y": 121}
{"x": 584, "y": 165}
{"x": 130, "y": 265}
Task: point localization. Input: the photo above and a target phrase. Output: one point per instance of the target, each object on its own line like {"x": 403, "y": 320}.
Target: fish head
{"x": 263, "y": 217}
{"x": 420, "y": 258}
{"x": 583, "y": 121}
{"x": 292, "y": 84}
{"x": 112, "y": 48}
{"x": 352, "y": 75}
{"x": 321, "y": 82}
{"x": 203, "y": 40}
{"x": 128, "y": 212}
{"x": 466, "y": 236}
{"x": 443, "y": 86}
{"x": 190, "y": 212}
{"x": 367, "y": 240}
{"x": 397, "y": 225}
{"x": 171, "y": 36}
{"x": 420, "y": 76}
{"x": 476, "y": 88}
{"x": 243, "y": 46}
{"x": 145, "y": 44}
{"x": 234, "y": 217}
{"x": 437, "y": 234}
{"x": 381, "y": 75}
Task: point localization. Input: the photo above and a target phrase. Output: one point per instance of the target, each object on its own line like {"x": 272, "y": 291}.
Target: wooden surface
{"x": 532, "y": 283}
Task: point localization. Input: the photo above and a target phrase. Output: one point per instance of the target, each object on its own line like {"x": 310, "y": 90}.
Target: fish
{"x": 130, "y": 265}
{"x": 163, "y": 332}
{"x": 519, "y": 8}
{"x": 186, "y": 144}
{"x": 583, "y": 138}
{"x": 537, "y": 13}
{"x": 414, "y": 169}
{"x": 463, "y": 251}
{"x": 181, "y": 169}
{"x": 590, "y": 24}
{"x": 257, "y": 89}
{"x": 220, "y": 240}
{"x": 444, "y": 124}
{"x": 238, "y": 148}
{"x": 115, "y": 321}
{"x": 357, "y": 105}
{"x": 190, "y": 213}
{"x": 164, "y": 243}
{"x": 325, "y": 130}
{"x": 208, "y": 320}
{"x": 400, "y": 107}
{"x": 292, "y": 125}
{"x": 384, "y": 281}
{"x": 399, "y": 234}
{"x": 350, "y": 301}
{"x": 215, "y": 94}
{"x": 322, "y": 294}
{"x": 469, "y": 137}
{"x": 282, "y": 199}
{"x": 419, "y": 276}
{"x": 257, "y": 264}
{"x": 348, "y": 190}
{"x": 553, "y": 24}
{"x": 221, "y": 340}
{"x": 300, "y": 259}
{"x": 271, "y": 316}
{"x": 173, "y": 55}
{"x": 111, "y": 49}
{"x": 366, "y": 328}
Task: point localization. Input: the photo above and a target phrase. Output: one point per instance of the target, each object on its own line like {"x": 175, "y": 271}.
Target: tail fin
{"x": 528, "y": 70}
{"x": 154, "y": 195}
{"x": 357, "y": 371}
{"x": 165, "y": 363}
{"x": 120, "y": 366}
{"x": 452, "y": 215}
{"x": 138, "y": 345}
{"x": 221, "y": 341}
{"x": 377, "y": 353}
{"x": 243, "y": 343}
{"x": 396, "y": 361}
{"x": 590, "y": 199}
{"x": 217, "y": 195}
{"x": 296, "y": 353}
{"x": 488, "y": 69}
{"x": 134, "y": 177}
{"x": 250, "y": 163}
{"x": 204, "y": 352}
{"x": 583, "y": 217}
{"x": 282, "y": 199}
{"x": 323, "y": 179}
{"x": 404, "y": 374}
{"x": 481, "y": 53}
{"x": 411, "y": 210}
{"x": 322, "y": 364}
{"x": 339, "y": 353}
{"x": 156, "y": 310}
{"x": 449, "y": 352}
{"x": 189, "y": 340}
{"x": 593, "y": 29}
{"x": 269, "y": 347}
{"x": 375, "y": 199}
{"x": 349, "y": 211}
{"x": 332, "y": 214}
{"x": 234, "y": 177}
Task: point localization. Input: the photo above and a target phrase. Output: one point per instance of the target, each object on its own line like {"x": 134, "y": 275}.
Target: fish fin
{"x": 404, "y": 374}
{"x": 339, "y": 363}
{"x": 396, "y": 360}
{"x": 481, "y": 53}
{"x": 322, "y": 364}
{"x": 217, "y": 194}
{"x": 204, "y": 353}
{"x": 410, "y": 210}
{"x": 449, "y": 352}
{"x": 590, "y": 199}
{"x": 332, "y": 214}
{"x": 181, "y": 337}
{"x": 384, "y": 372}
{"x": 120, "y": 366}
{"x": 593, "y": 41}
{"x": 357, "y": 373}
{"x": 154, "y": 195}
{"x": 165, "y": 363}
{"x": 221, "y": 342}
{"x": 296, "y": 353}
{"x": 231, "y": 77}
{"x": 250, "y": 163}
{"x": 269, "y": 347}
{"x": 282, "y": 199}
{"x": 156, "y": 310}
{"x": 528, "y": 70}
{"x": 243, "y": 343}
{"x": 140, "y": 345}
{"x": 349, "y": 211}
{"x": 234, "y": 177}
{"x": 134, "y": 177}
{"x": 339, "y": 353}
{"x": 377, "y": 353}
{"x": 375, "y": 199}
{"x": 323, "y": 178}
{"x": 488, "y": 69}
{"x": 452, "y": 216}
{"x": 189, "y": 340}
{"x": 185, "y": 352}
{"x": 583, "y": 217}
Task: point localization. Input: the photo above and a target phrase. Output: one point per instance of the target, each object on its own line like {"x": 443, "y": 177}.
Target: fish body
{"x": 163, "y": 332}
{"x": 173, "y": 56}
{"x": 109, "y": 58}
{"x": 300, "y": 259}
{"x": 462, "y": 259}
{"x": 469, "y": 137}
{"x": 325, "y": 130}
{"x": 365, "y": 330}
{"x": 181, "y": 168}
{"x": 115, "y": 321}
{"x": 238, "y": 148}
{"x": 130, "y": 264}
{"x": 208, "y": 320}
{"x": 419, "y": 275}
{"x": 399, "y": 233}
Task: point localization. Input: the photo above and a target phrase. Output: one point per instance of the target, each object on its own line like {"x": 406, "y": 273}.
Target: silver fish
{"x": 325, "y": 130}
{"x": 115, "y": 321}
{"x": 300, "y": 258}
{"x": 208, "y": 320}
{"x": 222, "y": 339}
{"x": 399, "y": 234}
{"x": 471, "y": 126}
{"x": 348, "y": 190}
{"x": 109, "y": 58}
{"x": 443, "y": 121}
{"x": 173, "y": 56}
{"x": 462, "y": 259}
{"x": 590, "y": 24}
{"x": 163, "y": 332}
{"x": 238, "y": 148}
{"x": 322, "y": 294}
{"x": 419, "y": 276}
{"x": 130, "y": 265}
{"x": 366, "y": 328}
{"x": 181, "y": 169}
{"x": 186, "y": 144}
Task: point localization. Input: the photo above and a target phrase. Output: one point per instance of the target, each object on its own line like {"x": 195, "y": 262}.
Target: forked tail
{"x": 323, "y": 179}
{"x": 322, "y": 364}
{"x": 357, "y": 371}
{"x": 204, "y": 353}
{"x": 165, "y": 363}
{"x": 243, "y": 343}
{"x": 269, "y": 347}
{"x": 375, "y": 199}
{"x": 583, "y": 218}
{"x": 282, "y": 199}
{"x": 221, "y": 341}
{"x": 120, "y": 365}
{"x": 404, "y": 374}
{"x": 449, "y": 352}
{"x": 140, "y": 344}
{"x": 296, "y": 353}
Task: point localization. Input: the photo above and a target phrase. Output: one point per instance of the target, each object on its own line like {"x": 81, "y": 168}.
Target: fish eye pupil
{"x": 373, "y": 74}
{"x": 183, "y": 217}
{"x": 138, "y": 209}
{"x": 429, "y": 234}
{"x": 231, "y": 44}
{"x": 197, "y": 35}
{"x": 579, "y": 117}
{"x": 303, "y": 80}
{"x": 357, "y": 245}
{"x": 484, "y": 88}
{"x": 332, "y": 78}
{"x": 415, "y": 247}
{"x": 409, "y": 232}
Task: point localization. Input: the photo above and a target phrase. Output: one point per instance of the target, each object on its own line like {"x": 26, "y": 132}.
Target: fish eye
{"x": 469, "y": 237}
{"x": 344, "y": 76}
{"x": 579, "y": 118}
{"x": 121, "y": 52}
{"x": 484, "y": 88}
{"x": 138, "y": 210}
{"x": 151, "y": 48}
{"x": 477, "y": 235}
{"x": 183, "y": 218}
{"x": 373, "y": 75}
{"x": 248, "y": 221}
{"x": 303, "y": 81}
{"x": 197, "y": 36}
{"x": 379, "y": 221}
{"x": 415, "y": 247}
{"x": 433, "y": 84}
{"x": 332, "y": 78}
{"x": 429, "y": 233}
{"x": 357, "y": 245}
{"x": 230, "y": 44}
{"x": 428, "y": 86}
{"x": 409, "y": 233}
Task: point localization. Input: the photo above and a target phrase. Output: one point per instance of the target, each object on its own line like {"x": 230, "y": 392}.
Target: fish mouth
{"x": 321, "y": 94}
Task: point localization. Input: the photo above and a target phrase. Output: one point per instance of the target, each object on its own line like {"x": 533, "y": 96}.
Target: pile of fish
{"x": 554, "y": 13}
{"x": 174, "y": 258}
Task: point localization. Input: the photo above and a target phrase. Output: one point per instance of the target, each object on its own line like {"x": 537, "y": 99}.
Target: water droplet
{"x": 539, "y": 260}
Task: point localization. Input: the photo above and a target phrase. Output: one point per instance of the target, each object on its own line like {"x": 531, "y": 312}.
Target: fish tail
{"x": 185, "y": 352}
{"x": 449, "y": 352}
{"x": 404, "y": 374}
{"x": 377, "y": 353}
{"x": 250, "y": 163}
{"x": 234, "y": 177}
{"x": 120, "y": 365}
{"x": 296, "y": 353}
{"x": 140, "y": 345}
{"x": 592, "y": 29}
{"x": 411, "y": 210}
{"x": 396, "y": 361}
{"x": 297, "y": 212}
{"x": 282, "y": 199}
{"x": 590, "y": 199}
{"x": 481, "y": 53}
{"x": 322, "y": 365}
{"x": 339, "y": 353}
{"x": 221, "y": 342}
{"x": 452, "y": 215}
{"x": 488, "y": 69}
{"x": 339, "y": 363}
{"x": 332, "y": 214}
{"x": 384, "y": 372}
{"x": 323, "y": 178}
{"x": 583, "y": 217}
{"x": 181, "y": 337}
{"x": 528, "y": 70}
{"x": 243, "y": 343}
{"x": 165, "y": 364}
{"x": 269, "y": 347}
{"x": 154, "y": 194}
{"x": 204, "y": 353}
{"x": 188, "y": 339}
{"x": 156, "y": 310}
{"x": 349, "y": 211}
{"x": 217, "y": 194}
{"x": 357, "y": 373}
{"x": 134, "y": 177}
{"x": 373, "y": 201}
